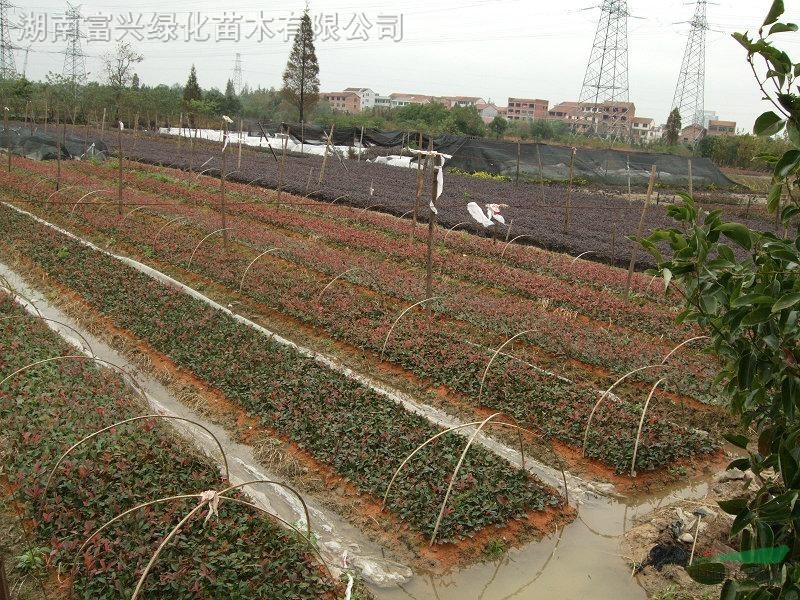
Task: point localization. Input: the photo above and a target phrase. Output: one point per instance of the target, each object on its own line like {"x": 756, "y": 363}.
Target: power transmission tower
{"x": 237, "y": 74}
{"x": 606, "y": 77}
{"x": 690, "y": 92}
{"x": 74, "y": 58}
{"x": 7, "y": 68}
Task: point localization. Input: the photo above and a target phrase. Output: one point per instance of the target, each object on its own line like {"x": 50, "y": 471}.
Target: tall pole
{"x": 691, "y": 180}
{"x": 58, "y": 154}
{"x": 119, "y": 181}
{"x": 222, "y": 184}
{"x": 516, "y": 180}
{"x": 7, "y": 132}
{"x": 639, "y": 230}
{"x": 569, "y": 192}
{"x": 431, "y": 224}
{"x": 420, "y": 184}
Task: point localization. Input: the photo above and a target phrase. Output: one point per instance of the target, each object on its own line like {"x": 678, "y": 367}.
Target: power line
{"x": 689, "y": 96}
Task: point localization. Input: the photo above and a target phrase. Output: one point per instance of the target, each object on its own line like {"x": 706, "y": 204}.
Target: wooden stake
{"x": 308, "y": 182}
{"x": 222, "y": 186}
{"x": 119, "y": 182}
{"x": 7, "y": 132}
{"x": 282, "y": 167}
{"x": 46, "y": 115}
{"x": 431, "y": 227}
{"x": 325, "y": 155}
{"x": 135, "y": 129}
{"x": 516, "y": 181}
{"x": 691, "y": 180}
{"x": 541, "y": 171}
{"x": 58, "y": 154}
{"x": 639, "y": 230}
{"x": 180, "y": 133}
{"x": 628, "y": 167}
{"x": 420, "y": 184}
{"x": 241, "y": 133}
{"x": 103, "y": 125}
{"x": 569, "y": 191}
{"x": 361, "y": 144}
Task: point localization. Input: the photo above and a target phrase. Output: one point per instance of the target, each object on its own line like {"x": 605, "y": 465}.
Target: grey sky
{"x": 488, "y": 48}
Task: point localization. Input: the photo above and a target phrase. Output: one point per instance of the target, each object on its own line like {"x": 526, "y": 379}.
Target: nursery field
{"x": 528, "y": 337}
{"x": 46, "y": 409}
{"x": 599, "y": 219}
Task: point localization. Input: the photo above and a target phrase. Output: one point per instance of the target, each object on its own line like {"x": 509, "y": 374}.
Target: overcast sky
{"x": 488, "y": 48}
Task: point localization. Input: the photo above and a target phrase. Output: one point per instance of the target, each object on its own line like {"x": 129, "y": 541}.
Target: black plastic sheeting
{"x": 550, "y": 162}
{"x": 37, "y": 145}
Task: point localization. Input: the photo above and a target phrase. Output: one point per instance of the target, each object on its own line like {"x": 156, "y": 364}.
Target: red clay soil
{"x": 394, "y": 533}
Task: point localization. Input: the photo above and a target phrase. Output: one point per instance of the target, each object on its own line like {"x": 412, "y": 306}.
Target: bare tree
{"x": 119, "y": 66}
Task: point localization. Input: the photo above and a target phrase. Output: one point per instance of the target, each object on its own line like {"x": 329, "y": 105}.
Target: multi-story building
{"x": 603, "y": 118}
{"x": 398, "y": 99}
{"x": 366, "y": 95}
{"x": 347, "y": 102}
{"x": 454, "y": 101}
{"x": 643, "y": 130}
{"x": 527, "y": 109}
{"x": 692, "y": 133}
{"x": 708, "y": 116}
{"x": 721, "y": 128}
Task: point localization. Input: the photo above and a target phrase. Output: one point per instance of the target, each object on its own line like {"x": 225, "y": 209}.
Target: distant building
{"x": 708, "y": 116}
{"x": 692, "y": 133}
{"x": 454, "y": 101}
{"x": 527, "y": 109}
{"x": 488, "y": 111}
{"x": 366, "y": 96}
{"x": 603, "y": 118}
{"x": 721, "y": 128}
{"x": 643, "y": 130}
{"x": 347, "y": 102}
{"x": 398, "y": 100}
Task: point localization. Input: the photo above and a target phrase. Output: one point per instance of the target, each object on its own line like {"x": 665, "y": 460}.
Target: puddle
{"x": 579, "y": 561}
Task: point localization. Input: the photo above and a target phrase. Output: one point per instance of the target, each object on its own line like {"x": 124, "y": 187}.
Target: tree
{"x": 672, "y": 132}
{"x": 465, "y": 120}
{"x": 230, "y": 104}
{"x": 749, "y": 305}
{"x": 119, "y": 70}
{"x": 301, "y": 77}
{"x": 498, "y": 126}
{"x": 135, "y": 81}
{"x": 192, "y": 95}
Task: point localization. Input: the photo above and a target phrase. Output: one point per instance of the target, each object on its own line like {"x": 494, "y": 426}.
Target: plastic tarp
{"x": 611, "y": 167}
{"x": 37, "y": 145}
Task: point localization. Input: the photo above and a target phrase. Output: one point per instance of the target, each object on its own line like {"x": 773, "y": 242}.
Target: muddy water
{"x": 580, "y": 561}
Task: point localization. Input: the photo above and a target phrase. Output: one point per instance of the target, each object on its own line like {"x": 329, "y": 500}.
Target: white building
{"x": 366, "y": 95}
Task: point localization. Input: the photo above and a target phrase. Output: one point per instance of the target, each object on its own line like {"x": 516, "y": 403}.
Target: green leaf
{"x": 786, "y": 301}
{"x": 768, "y": 124}
{"x": 738, "y": 440}
{"x": 743, "y": 40}
{"x": 707, "y": 573}
{"x": 782, "y": 28}
{"x": 740, "y": 522}
{"x": 733, "y": 507}
{"x": 775, "y": 11}
{"x": 774, "y": 197}
{"x": 738, "y": 233}
{"x": 759, "y": 315}
{"x": 788, "y": 163}
{"x": 750, "y": 300}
